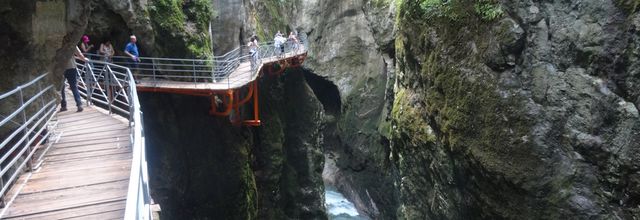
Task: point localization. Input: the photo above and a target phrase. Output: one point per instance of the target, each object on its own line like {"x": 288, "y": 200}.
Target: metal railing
{"x": 24, "y": 128}
{"x": 112, "y": 87}
{"x": 217, "y": 69}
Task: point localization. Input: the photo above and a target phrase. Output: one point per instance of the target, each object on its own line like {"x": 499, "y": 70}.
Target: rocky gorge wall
{"x": 531, "y": 113}
{"x": 413, "y": 109}
{"x": 203, "y": 166}
{"x": 500, "y": 109}
{"x": 277, "y": 175}
{"x": 36, "y": 38}
{"x": 350, "y": 68}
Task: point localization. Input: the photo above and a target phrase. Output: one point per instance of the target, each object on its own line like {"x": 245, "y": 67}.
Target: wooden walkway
{"x": 84, "y": 175}
{"x": 240, "y": 77}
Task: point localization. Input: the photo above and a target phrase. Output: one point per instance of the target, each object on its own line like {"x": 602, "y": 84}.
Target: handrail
{"x": 35, "y": 111}
{"x": 217, "y": 69}
{"x": 112, "y": 87}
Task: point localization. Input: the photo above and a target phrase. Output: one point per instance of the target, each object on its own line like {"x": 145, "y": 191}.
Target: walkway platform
{"x": 240, "y": 77}
{"x": 85, "y": 175}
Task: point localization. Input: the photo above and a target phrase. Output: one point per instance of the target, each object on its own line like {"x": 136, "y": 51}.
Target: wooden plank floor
{"x": 84, "y": 175}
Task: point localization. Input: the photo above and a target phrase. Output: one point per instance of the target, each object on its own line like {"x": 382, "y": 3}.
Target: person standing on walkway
{"x": 106, "y": 49}
{"x": 294, "y": 40}
{"x": 253, "y": 45}
{"x": 253, "y": 50}
{"x": 71, "y": 74}
{"x": 84, "y": 45}
{"x": 279, "y": 42}
{"x": 132, "y": 51}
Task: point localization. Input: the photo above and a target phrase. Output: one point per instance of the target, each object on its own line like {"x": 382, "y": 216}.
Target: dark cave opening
{"x": 105, "y": 24}
{"x": 326, "y": 92}
{"x": 329, "y": 96}
{"x": 337, "y": 200}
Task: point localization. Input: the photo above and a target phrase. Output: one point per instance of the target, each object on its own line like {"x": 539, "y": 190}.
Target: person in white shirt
{"x": 106, "y": 49}
{"x": 279, "y": 42}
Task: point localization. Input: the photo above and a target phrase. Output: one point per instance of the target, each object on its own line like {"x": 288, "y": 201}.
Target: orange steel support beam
{"x": 248, "y": 97}
{"x": 255, "y": 103}
{"x": 256, "y": 110}
{"x": 231, "y": 97}
{"x": 236, "y": 119}
{"x": 227, "y": 111}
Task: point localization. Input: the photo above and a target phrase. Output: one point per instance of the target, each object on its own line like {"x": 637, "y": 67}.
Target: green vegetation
{"x": 249, "y": 204}
{"x": 441, "y": 81}
{"x": 453, "y": 10}
{"x": 182, "y": 27}
{"x": 488, "y": 9}
{"x": 199, "y": 11}
{"x": 413, "y": 128}
{"x": 167, "y": 14}
{"x": 271, "y": 12}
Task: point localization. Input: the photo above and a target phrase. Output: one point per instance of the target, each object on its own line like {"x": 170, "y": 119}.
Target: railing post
{"x": 213, "y": 67}
{"x": 24, "y": 132}
{"x": 153, "y": 65}
{"x": 40, "y": 89}
{"x": 193, "y": 63}
{"x": 88, "y": 83}
{"x": 107, "y": 84}
{"x": 131, "y": 98}
{"x": 2, "y": 204}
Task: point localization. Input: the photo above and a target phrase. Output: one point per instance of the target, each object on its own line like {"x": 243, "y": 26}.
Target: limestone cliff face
{"x": 199, "y": 165}
{"x": 349, "y": 46}
{"x": 37, "y": 37}
{"x": 228, "y": 25}
{"x": 164, "y": 28}
{"x": 517, "y": 109}
{"x": 202, "y": 166}
{"x": 350, "y": 68}
{"x": 288, "y": 151}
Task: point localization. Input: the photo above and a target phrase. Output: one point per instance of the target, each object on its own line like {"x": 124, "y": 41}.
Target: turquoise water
{"x": 338, "y": 207}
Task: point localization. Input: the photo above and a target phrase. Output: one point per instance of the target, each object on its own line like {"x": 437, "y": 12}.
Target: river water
{"x": 338, "y": 207}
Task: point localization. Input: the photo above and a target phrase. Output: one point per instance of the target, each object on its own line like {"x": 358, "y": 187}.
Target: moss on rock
{"x": 454, "y": 10}
{"x": 409, "y": 120}
{"x": 450, "y": 103}
{"x": 514, "y": 133}
{"x": 272, "y": 16}
{"x": 288, "y": 155}
{"x": 181, "y": 27}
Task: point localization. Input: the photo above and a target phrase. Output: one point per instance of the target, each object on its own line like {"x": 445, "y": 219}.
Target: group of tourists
{"x": 106, "y": 51}
{"x": 279, "y": 41}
